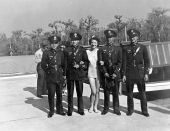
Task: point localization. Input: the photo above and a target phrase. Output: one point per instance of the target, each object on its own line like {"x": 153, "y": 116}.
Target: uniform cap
{"x": 110, "y": 33}
{"x": 133, "y": 32}
{"x": 75, "y": 36}
{"x": 54, "y": 39}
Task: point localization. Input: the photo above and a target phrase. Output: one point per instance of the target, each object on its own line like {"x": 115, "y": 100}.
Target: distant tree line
{"x": 155, "y": 28}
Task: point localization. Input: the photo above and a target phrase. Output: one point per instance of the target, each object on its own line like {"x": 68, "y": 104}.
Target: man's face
{"x": 111, "y": 40}
{"x": 62, "y": 47}
{"x": 75, "y": 43}
{"x": 134, "y": 39}
{"x": 54, "y": 45}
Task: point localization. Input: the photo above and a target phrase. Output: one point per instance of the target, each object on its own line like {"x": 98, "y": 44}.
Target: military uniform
{"x": 135, "y": 67}
{"x": 75, "y": 56}
{"x": 53, "y": 63}
{"x": 111, "y": 55}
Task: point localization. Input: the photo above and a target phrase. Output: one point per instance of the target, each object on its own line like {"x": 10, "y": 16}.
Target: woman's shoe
{"x": 96, "y": 111}
{"x": 90, "y": 110}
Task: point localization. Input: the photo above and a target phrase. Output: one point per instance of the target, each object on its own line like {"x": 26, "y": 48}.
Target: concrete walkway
{"x": 21, "y": 110}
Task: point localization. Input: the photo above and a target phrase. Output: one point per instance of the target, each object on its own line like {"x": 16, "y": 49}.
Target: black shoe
{"x": 61, "y": 113}
{"x": 81, "y": 113}
{"x": 146, "y": 114}
{"x": 46, "y": 93}
{"x": 69, "y": 113}
{"x": 117, "y": 113}
{"x": 40, "y": 96}
{"x": 129, "y": 113}
{"x": 50, "y": 114}
{"x": 104, "y": 112}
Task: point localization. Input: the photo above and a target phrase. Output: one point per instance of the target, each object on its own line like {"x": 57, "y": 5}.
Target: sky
{"x": 29, "y": 15}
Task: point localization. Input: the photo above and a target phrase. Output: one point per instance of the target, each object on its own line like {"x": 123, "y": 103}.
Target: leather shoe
{"x": 69, "y": 113}
{"x": 146, "y": 114}
{"x": 40, "y": 96}
{"x": 104, "y": 112}
{"x": 50, "y": 114}
{"x": 61, "y": 113}
{"x": 129, "y": 113}
{"x": 81, "y": 113}
{"x": 117, "y": 113}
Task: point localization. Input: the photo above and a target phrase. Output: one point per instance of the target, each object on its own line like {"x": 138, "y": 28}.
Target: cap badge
{"x": 132, "y": 31}
{"x": 110, "y": 33}
{"x": 75, "y": 34}
{"x": 55, "y": 38}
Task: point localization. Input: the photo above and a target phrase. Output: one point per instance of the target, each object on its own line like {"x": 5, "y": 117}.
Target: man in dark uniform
{"x": 76, "y": 64}
{"x": 53, "y": 64}
{"x": 136, "y": 69}
{"x": 111, "y": 60}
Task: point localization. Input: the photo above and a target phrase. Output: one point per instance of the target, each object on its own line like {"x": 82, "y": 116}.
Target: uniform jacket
{"x": 74, "y": 56}
{"x": 53, "y": 63}
{"x": 137, "y": 61}
{"x": 112, "y": 57}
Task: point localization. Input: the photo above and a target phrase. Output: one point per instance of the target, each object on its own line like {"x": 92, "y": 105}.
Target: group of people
{"x": 104, "y": 66}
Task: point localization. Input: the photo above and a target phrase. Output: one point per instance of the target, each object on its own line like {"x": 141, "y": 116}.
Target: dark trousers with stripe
{"x": 70, "y": 91}
{"x": 54, "y": 88}
{"x": 115, "y": 93}
{"x": 141, "y": 88}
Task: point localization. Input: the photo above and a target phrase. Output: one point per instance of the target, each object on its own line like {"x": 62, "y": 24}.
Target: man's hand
{"x": 106, "y": 75}
{"x": 64, "y": 77}
{"x": 81, "y": 62}
{"x": 101, "y": 62}
{"x": 114, "y": 76}
{"x": 76, "y": 66}
{"x": 146, "y": 78}
{"x": 124, "y": 78}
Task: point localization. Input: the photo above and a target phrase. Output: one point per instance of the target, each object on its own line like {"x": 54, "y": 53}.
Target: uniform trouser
{"x": 41, "y": 81}
{"x": 115, "y": 93}
{"x": 70, "y": 91}
{"x": 52, "y": 89}
{"x": 141, "y": 88}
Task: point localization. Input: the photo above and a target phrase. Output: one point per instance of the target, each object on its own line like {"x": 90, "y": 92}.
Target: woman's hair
{"x": 94, "y": 38}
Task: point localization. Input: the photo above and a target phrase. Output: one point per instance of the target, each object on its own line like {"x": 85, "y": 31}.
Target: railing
{"x": 159, "y": 53}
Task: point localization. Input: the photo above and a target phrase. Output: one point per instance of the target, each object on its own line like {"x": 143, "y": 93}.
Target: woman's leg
{"x": 97, "y": 86}
{"x": 93, "y": 93}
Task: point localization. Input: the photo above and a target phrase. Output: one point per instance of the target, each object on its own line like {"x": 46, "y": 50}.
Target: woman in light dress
{"x": 93, "y": 74}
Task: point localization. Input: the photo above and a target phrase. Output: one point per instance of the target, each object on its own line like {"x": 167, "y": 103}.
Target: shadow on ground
{"x": 31, "y": 90}
{"x": 42, "y": 103}
{"x": 159, "y": 97}
{"x": 158, "y": 109}
{"x": 155, "y": 95}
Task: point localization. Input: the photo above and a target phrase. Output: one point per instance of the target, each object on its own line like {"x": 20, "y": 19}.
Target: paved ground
{"x": 21, "y": 110}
